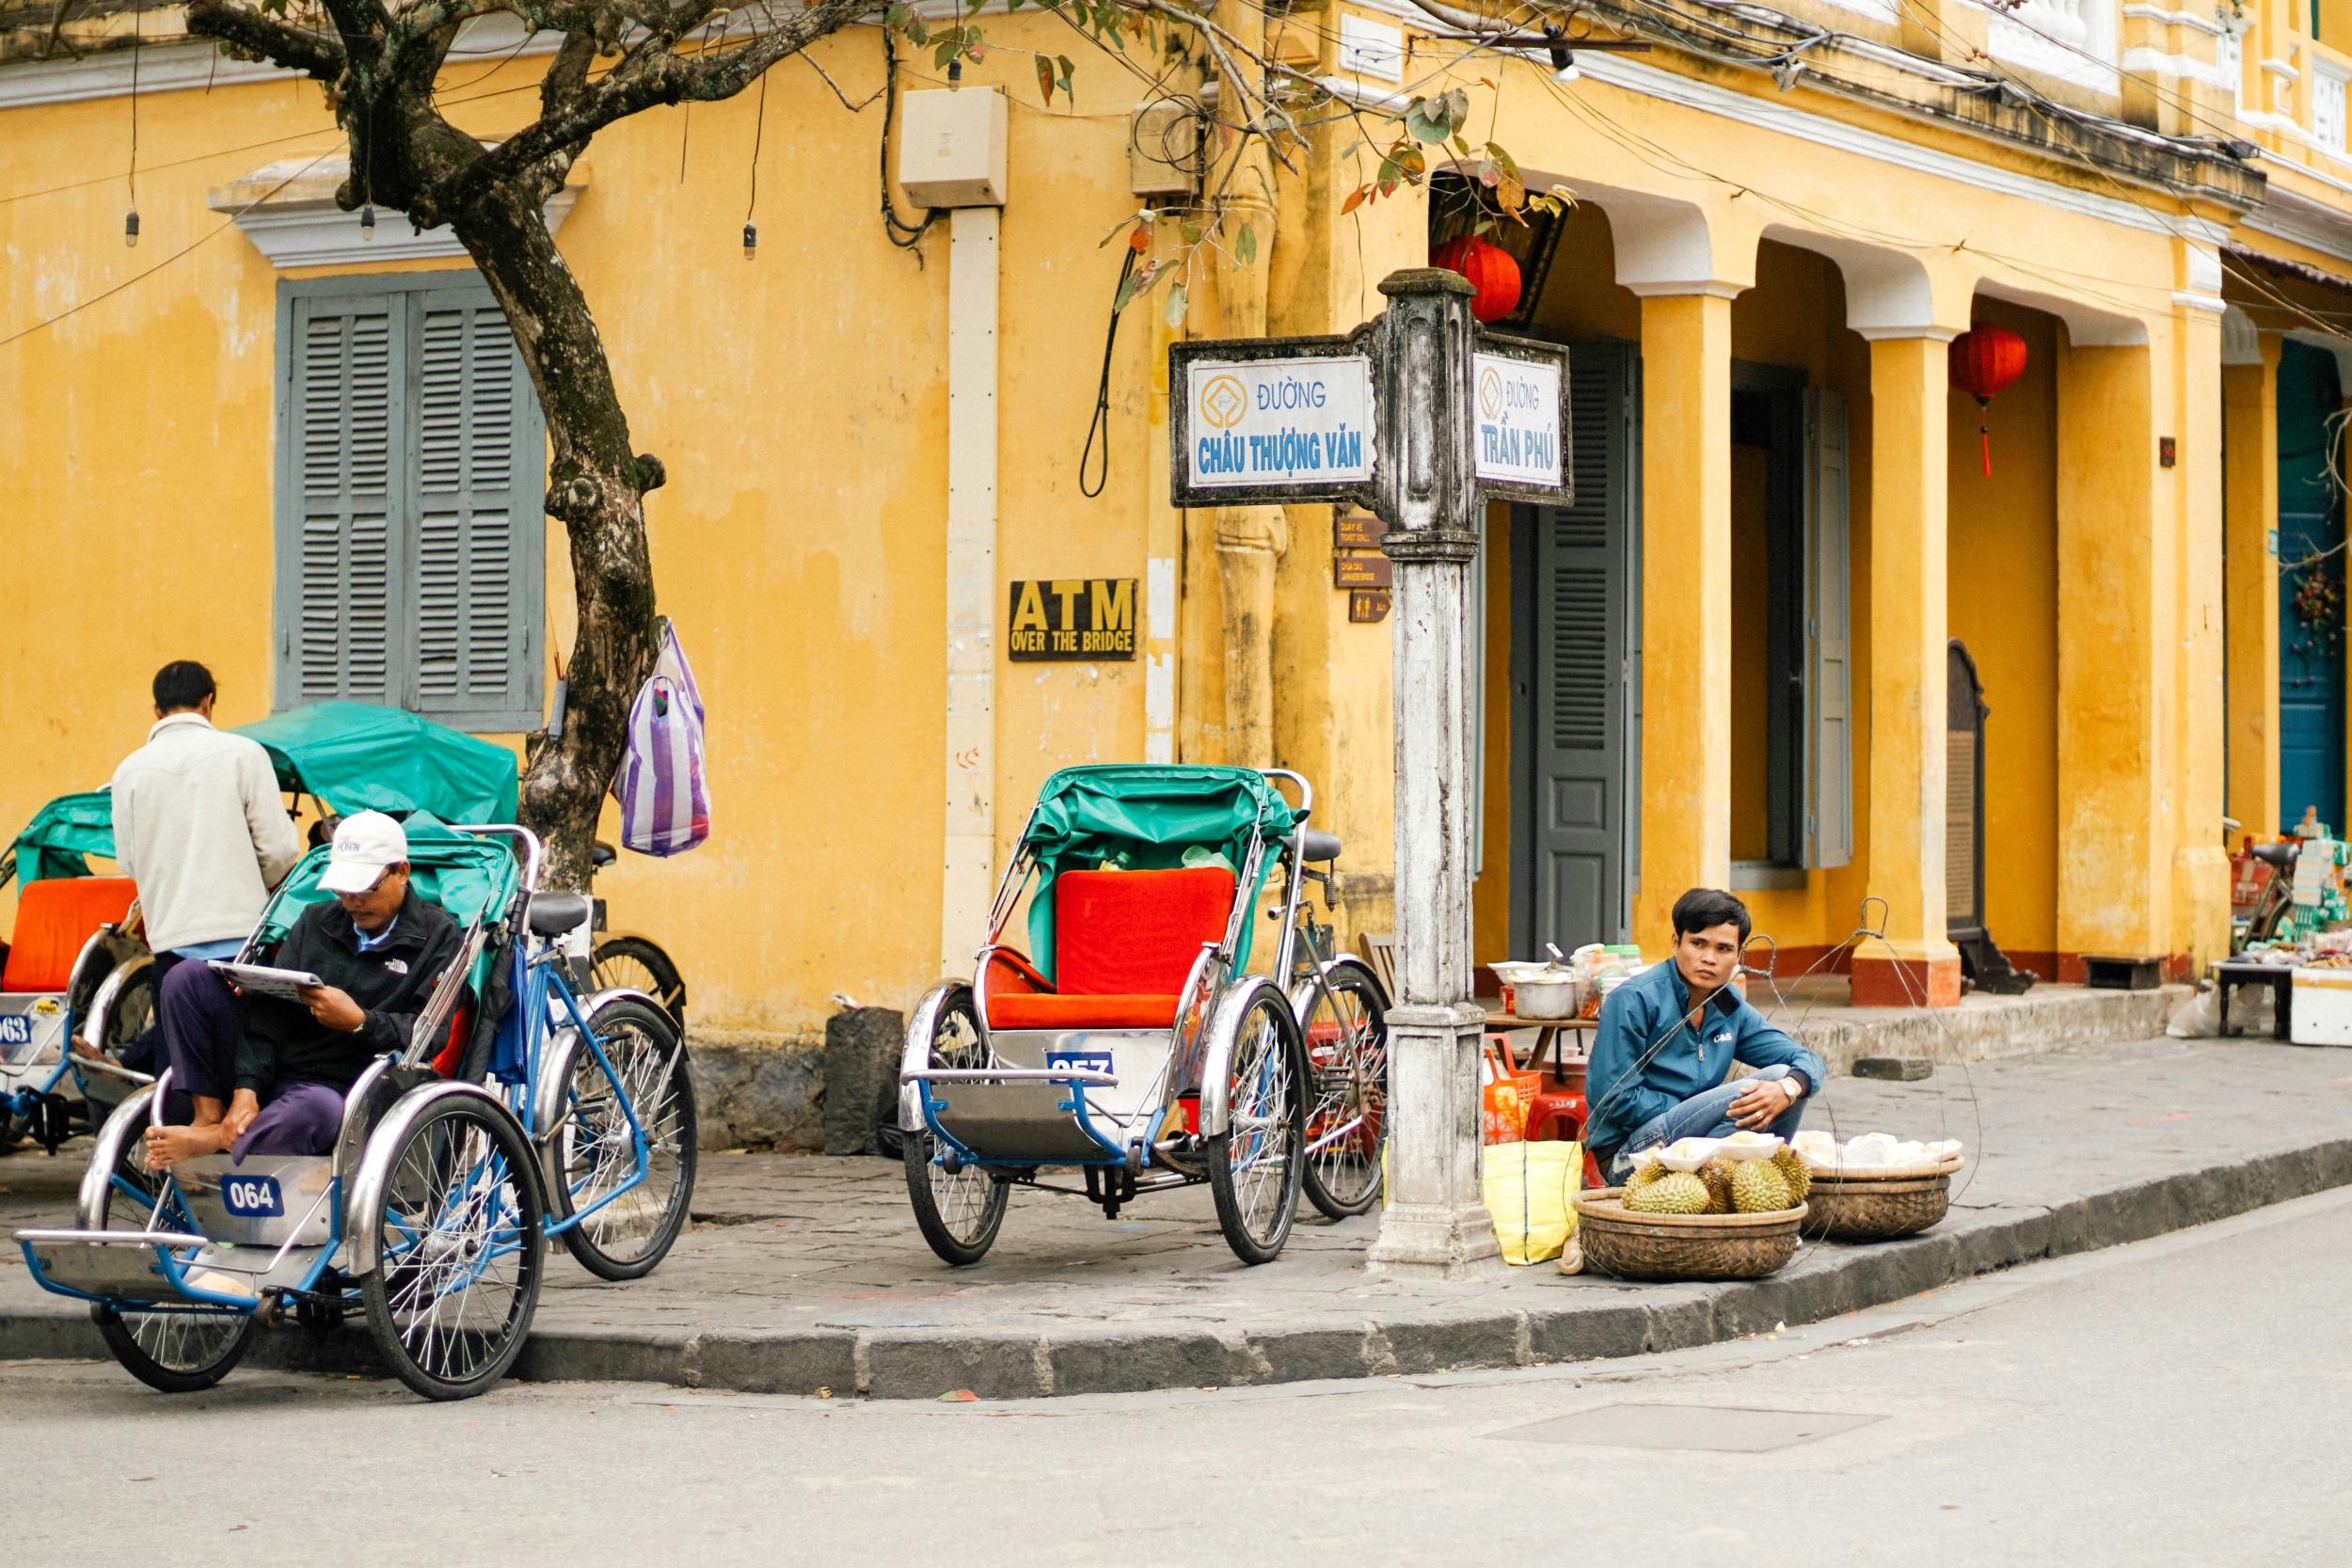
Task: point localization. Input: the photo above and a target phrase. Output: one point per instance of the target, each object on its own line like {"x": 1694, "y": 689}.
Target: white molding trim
{"x": 298, "y": 224}
{"x": 2241, "y": 344}
{"x": 1893, "y": 334}
{"x": 2174, "y": 19}
{"x": 1713, "y": 288}
{"x": 198, "y": 65}
{"x": 1652, "y": 82}
{"x": 2188, "y": 67}
{"x": 2199, "y": 301}
{"x": 2281, "y": 67}
{"x": 2312, "y": 225}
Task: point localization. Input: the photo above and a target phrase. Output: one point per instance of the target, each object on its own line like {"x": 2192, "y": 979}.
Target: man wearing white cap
{"x": 267, "y": 1076}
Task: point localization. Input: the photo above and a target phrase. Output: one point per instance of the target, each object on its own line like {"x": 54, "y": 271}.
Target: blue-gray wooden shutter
{"x": 479, "y": 530}
{"x": 341, "y": 561}
{"x": 1829, "y": 667}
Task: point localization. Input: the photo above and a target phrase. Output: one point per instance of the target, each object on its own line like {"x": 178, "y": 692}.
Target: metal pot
{"x": 1546, "y": 998}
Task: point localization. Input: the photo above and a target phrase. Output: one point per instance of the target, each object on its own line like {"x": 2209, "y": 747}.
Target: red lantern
{"x": 1982, "y": 362}
{"x": 1491, "y": 270}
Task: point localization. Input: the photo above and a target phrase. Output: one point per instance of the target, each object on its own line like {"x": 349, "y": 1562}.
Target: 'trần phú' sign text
{"x": 1072, "y": 618}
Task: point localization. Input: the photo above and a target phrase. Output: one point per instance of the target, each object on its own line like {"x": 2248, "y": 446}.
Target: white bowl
{"x": 1764, "y": 1150}
{"x": 1703, "y": 1150}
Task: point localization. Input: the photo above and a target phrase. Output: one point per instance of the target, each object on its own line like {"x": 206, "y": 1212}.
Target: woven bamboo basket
{"x": 1876, "y": 1208}
{"x": 1682, "y": 1246}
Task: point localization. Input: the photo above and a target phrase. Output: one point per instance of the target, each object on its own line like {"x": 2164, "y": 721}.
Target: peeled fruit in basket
{"x": 1717, "y": 1174}
{"x": 1792, "y": 1167}
{"x": 1758, "y": 1188}
{"x": 1677, "y": 1192}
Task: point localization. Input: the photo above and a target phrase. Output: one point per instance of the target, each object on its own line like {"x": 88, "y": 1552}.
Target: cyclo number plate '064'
{"x": 252, "y": 1197}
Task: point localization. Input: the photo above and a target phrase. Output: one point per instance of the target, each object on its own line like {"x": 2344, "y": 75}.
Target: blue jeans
{"x": 1703, "y": 1116}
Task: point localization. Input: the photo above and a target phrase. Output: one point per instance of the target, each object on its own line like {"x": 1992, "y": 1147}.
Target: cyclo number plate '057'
{"x": 252, "y": 1197}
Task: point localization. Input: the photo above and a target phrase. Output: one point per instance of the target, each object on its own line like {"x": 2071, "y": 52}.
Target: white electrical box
{"x": 952, "y": 147}
{"x": 2322, "y": 1007}
{"x": 1163, "y": 149}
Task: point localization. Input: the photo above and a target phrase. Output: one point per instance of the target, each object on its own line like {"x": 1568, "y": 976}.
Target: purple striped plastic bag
{"x": 662, "y": 787}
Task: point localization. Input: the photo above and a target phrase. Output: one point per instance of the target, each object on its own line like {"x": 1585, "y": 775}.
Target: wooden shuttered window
{"x": 409, "y": 509}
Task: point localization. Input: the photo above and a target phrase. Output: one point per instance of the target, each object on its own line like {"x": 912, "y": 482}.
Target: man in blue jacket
{"x": 1668, "y": 1037}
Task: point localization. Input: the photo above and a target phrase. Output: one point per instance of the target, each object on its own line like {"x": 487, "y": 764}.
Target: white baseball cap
{"x": 365, "y": 844}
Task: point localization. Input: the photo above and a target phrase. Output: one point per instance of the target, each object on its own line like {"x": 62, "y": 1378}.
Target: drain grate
{"x": 1720, "y": 1427}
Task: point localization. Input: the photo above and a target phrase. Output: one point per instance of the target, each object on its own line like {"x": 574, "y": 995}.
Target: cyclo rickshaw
{"x": 1131, "y": 1043}
{"x": 517, "y": 1113}
{"x": 77, "y": 987}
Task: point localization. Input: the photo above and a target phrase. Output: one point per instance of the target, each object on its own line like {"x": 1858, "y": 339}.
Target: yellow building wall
{"x": 2003, "y": 588}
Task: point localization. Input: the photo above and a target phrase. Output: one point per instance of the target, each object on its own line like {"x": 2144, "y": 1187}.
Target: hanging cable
{"x": 905, "y": 235}
{"x": 759, "y": 132}
{"x": 131, "y": 218}
{"x": 1101, "y": 419}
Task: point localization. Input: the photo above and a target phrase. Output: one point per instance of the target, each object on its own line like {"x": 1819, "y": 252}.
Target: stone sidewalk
{"x": 806, "y": 1272}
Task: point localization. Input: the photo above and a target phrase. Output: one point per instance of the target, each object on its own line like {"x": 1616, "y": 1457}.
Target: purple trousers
{"x": 203, "y": 1024}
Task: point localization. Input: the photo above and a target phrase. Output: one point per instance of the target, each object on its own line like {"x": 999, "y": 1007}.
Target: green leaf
{"x": 896, "y": 16}
{"x": 1510, "y": 164}
{"x": 1190, "y": 232}
{"x": 1245, "y": 245}
{"x": 1173, "y": 311}
{"x": 949, "y": 47}
{"x": 1138, "y": 282}
{"x": 1461, "y": 147}
{"x": 1044, "y": 74}
{"x": 918, "y": 31}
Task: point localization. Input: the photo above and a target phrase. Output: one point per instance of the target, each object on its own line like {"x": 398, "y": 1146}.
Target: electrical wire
{"x": 899, "y": 233}
{"x": 1101, "y": 419}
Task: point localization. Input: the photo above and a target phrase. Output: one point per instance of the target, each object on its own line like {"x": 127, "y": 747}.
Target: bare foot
{"x": 167, "y": 1145}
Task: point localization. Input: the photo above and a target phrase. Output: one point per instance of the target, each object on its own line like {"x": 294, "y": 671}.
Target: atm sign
{"x": 1072, "y": 618}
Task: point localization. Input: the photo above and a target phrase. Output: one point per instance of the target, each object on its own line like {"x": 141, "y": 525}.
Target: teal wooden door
{"x": 2310, "y": 658}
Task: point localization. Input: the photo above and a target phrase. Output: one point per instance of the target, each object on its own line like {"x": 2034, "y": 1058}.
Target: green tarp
{"x": 357, "y": 756}
{"x": 61, "y": 833}
{"x": 1146, "y": 817}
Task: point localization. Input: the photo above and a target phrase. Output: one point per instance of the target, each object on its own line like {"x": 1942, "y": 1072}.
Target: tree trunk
{"x": 596, "y": 485}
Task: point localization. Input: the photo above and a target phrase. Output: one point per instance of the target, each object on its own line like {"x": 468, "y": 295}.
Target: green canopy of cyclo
{"x": 61, "y": 833}
{"x": 467, "y": 875}
{"x": 1143, "y": 816}
{"x": 355, "y": 756}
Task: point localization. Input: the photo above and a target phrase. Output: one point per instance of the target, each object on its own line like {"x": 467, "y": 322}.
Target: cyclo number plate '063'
{"x": 16, "y": 1029}
{"x": 252, "y": 1197}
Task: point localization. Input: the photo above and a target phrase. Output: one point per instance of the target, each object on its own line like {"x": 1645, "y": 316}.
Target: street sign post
{"x": 1420, "y": 417}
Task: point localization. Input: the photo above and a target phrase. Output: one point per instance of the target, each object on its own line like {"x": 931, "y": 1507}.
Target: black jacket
{"x": 391, "y": 985}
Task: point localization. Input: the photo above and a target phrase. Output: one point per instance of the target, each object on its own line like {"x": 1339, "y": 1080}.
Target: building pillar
{"x": 2249, "y": 436}
{"x": 2190, "y": 564}
{"x": 1916, "y": 965}
{"x": 2115, "y": 872}
{"x": 1685, "y": 599}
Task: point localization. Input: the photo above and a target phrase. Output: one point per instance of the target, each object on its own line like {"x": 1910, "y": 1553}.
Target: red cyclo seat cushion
{"x": 1135, "y": 933}
{"x": 1045, "y": 1010}
{"x": 54, "y": 917}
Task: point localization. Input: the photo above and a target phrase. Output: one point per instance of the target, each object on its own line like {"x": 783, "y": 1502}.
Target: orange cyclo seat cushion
{"x": 55, "y": 916}
{"x": 1125, "y": 941}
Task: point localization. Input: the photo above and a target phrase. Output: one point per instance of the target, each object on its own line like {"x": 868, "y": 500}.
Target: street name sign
{"x": 1259, "y": 421}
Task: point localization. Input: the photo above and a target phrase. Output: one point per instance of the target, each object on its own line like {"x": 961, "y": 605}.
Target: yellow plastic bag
{"x": 1530, "y": 1191}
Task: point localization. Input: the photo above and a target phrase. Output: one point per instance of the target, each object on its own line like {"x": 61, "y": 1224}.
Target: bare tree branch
{"x": 312, "y": 54}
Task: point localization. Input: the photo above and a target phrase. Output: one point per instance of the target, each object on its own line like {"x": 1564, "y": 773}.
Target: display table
{"x": 2230, "y": 974}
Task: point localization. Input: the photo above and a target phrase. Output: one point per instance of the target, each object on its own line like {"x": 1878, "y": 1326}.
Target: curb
{"x": 1826, "y": 1281}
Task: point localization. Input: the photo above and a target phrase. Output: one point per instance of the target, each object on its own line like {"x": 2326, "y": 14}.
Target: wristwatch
{"x": 1795, "y": 1086}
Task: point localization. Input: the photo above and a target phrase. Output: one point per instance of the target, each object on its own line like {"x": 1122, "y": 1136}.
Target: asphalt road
{"x": 2182, "y": 1400}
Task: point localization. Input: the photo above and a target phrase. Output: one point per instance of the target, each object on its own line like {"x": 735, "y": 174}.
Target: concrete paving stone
{"x": 2070, "y": 1149}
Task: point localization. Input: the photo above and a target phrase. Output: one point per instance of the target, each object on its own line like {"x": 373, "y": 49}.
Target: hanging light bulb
{"x": 750, "y": 242}
{"x": 367, "y": 221}
{"x": 131, "y": 227}
{"x": 955, "y": 73}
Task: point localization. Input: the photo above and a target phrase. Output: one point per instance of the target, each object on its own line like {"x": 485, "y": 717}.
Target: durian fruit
{"x": 1643, "y": 1176}
{"x": 1676, "y": 1192}
{"x": 1716, "y": 1173}
{"x": 1792, "y": 1171}
{"x": 1757, "y": 1188}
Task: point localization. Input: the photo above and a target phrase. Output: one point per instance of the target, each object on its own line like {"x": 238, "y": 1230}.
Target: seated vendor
{"x": 269, "y": 1076}
{"x": 1668, "y": 1037}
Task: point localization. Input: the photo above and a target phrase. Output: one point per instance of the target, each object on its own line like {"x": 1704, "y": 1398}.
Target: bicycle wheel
{"x": 1347, "y": 1064}
{"x": 958, "y": 1212}
{"x": 175, "y": 1353}
{"x": 463, "y": 1249}
{"x": 596, "y": 1155}
{"x": 635, "y": 964}
{"x": 1254, "y": 1164}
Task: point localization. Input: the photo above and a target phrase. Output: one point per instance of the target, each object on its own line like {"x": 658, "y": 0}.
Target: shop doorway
{"x": 2311, "y": 616}
{"x": 1576, "y": 678}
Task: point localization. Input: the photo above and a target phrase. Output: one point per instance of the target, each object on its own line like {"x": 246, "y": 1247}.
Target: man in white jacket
{"x": 199, "y": 826}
